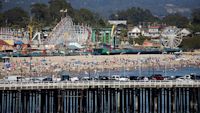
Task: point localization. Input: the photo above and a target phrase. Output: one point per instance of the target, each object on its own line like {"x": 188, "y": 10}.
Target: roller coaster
{"x": 66, "y": 32}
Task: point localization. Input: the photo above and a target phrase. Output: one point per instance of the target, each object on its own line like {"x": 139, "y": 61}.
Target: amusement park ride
{"x": 67, "y": 34}
{"x": 171, "y": 37}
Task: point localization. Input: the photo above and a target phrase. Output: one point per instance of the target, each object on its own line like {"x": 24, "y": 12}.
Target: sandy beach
{"x": 52, "y": 65}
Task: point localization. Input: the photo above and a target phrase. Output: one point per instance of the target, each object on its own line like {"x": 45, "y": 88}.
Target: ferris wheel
{"x": 171, "y": 37}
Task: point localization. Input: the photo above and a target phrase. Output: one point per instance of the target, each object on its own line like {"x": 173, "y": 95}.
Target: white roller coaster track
{"x": 66, "y": 32}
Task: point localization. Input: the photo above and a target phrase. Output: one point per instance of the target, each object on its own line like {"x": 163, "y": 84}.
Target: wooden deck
{"x": 98, "y": 84}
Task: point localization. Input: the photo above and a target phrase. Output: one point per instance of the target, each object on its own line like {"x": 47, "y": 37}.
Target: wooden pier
{"x": 97, "y": 84}
{"x": 101, "y": 97}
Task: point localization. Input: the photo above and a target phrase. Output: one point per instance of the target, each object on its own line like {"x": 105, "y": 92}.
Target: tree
{"x": 49, "y": 15}
{"x": 195, "y": 26}
{"x": 113, "y": 17}
{"x": 1, "y": 16}
{"x": 1, "y": 20}
{"x": 41, "y": 13}
{"x": 123, "y": 35}
{"x": 55, "y": 6}
{"x": 85, "y": 16}
{"x": 176, "y": 20}
{"x": 140, "y": 40}
{"x": 134, "y": 16}
{"x": 1, "y": 5}
{"x": 196, "y": 16}
{"x": 16, "y": 17}
{"x": 190, "y": 43}
{"x": 101, "y": 22}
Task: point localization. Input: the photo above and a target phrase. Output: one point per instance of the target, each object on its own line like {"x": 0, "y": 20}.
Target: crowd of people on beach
{"x": 45, "y": 66}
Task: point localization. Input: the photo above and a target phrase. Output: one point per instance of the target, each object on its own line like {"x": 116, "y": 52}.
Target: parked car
{"x": 133, "y": 77}
{"x": 195, "y": 76}
{"x": 86, "y": 78}
{"x": 36, "y": 79}
{"x": 157, "y": 77}
{"x": 74, "y": 79}
{"x": 115, "y": 77}
{"x": 123, "y": 78}
{"x": 170, "y": 78}
{"x": 103, "y": 78}
{"x": 183, "y": 78}
{"x": 47, "y": 79}
{"x": 13, "y": 78}
{"x": 142, "y": 78}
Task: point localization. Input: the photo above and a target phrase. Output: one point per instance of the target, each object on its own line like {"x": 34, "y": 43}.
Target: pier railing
{"x": 96, "y": 84}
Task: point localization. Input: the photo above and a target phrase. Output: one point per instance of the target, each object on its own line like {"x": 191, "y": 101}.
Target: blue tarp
{"x": 18, "y": 42}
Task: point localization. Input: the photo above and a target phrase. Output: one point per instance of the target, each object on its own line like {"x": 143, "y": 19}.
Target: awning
{"x": 3, "y": 42}
{"x": 10, "y": 42}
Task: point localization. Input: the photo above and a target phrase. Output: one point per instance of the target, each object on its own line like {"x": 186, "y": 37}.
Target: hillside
{"x": 106, "y": 7}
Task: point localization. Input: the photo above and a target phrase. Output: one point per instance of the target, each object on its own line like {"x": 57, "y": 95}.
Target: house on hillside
{"x": 152, "y": 32}
{"x": 185, "y": 32}
{"x": 117, "y": 22}
{"x": 134, "y": 33}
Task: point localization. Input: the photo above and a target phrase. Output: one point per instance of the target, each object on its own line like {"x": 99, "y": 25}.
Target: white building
{"x": 152, "y": 31}
{"x": 117, "y": 22}
{"x": 185, "y": 32}
{"x": 134, "y": 33}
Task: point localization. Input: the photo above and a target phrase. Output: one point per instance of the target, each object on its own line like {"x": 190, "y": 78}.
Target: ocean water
{"x": 146, "y": 72}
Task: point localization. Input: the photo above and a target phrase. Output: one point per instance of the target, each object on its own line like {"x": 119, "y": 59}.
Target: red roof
{"x": 3, "y": 42}
{"x": 150, "y": 44}
{"x": 147, "y": 43}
